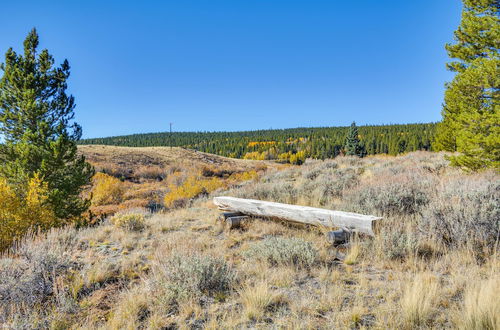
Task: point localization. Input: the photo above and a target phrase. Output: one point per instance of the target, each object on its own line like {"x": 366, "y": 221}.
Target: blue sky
{"x": 240, "y": 65}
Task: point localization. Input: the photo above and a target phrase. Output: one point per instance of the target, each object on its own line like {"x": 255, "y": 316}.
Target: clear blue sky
{"x": 243, "y": 64}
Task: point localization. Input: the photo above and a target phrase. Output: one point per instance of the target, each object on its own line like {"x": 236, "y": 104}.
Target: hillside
{"x": 141, "y": 177}
{"x": 131, "y": 160}
{"x": 315, "y": 142}
{"x": 434, "y": 264}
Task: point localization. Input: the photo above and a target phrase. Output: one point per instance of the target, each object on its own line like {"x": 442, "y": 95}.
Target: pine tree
{"x": 353, "y": 145}
{"x": 471, "y": 117}
{"x": 36, "y": 122}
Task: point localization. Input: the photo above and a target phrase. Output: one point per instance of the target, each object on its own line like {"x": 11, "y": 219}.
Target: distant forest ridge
{"x": 281, "y": 144}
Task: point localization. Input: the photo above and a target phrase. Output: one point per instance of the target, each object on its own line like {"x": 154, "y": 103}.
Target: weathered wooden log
{"x": 338, "y": 236}
{"x": 360, "y": 223}
{"x": 235, "y": 222}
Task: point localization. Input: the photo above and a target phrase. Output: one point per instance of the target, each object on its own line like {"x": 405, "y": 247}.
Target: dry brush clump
{"x": 400, "y": 194}
{"x": 29, "y": 273}
{"x": 132, "y": 219}
{"x": 185, "y": 277}
{"x": 284, "y": 251}
{"x": 259, "y": 298}
{"x": 419, "y": 300}
{"x": 465, "y": 212}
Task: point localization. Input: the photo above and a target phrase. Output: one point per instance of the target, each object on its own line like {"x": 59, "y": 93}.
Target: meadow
{"x": 158, "y": 258}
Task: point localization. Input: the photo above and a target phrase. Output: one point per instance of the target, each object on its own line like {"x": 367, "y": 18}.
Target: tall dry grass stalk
{"x": 419, "y": 299}
{"x": 256, "y": 299}
{"x": 481, "y": 306}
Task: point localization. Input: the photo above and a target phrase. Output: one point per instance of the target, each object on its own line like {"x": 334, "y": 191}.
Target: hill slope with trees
{"x": 284, "y": 144}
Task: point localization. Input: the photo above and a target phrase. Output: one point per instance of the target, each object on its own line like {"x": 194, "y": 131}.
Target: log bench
{"x": 238, "y": 210}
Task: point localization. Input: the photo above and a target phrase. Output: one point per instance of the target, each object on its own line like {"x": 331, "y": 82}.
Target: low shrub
{"x": 398, "y": 244}
{"x": 132, "y": 221}
{"x": 151, "y": 172}
{"x": 311, "y": 174}
{"x": 184, "y": 277}
{"x": 327, "y": 185}
{"x": 281, "y": 192}
{"x": 396, "y": 195}
{"x": 284, "y": 251}
{"x": 27, "y": 278}
{"x": 107, "y": 190}
{"x": 464, "y": 212}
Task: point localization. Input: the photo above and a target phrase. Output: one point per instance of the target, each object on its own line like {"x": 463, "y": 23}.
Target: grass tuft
{"x": 481, "y": 307}
{"x": 259, "y": 298}
{"x": 418, "y": 301}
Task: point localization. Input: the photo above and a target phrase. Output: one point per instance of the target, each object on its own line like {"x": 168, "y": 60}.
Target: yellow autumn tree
{"x": 24, "y": 210}
{"x": 107, "y": 189}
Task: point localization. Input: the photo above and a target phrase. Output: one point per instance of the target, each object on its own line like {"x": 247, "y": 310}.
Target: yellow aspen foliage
{"x": 260, "y": 143}
{"x": 255, "y": 155}
{"x": 284, "y": 157}
{"x": 192, "y": 187}
{"x": 298, "y": 158}
{"x": 22, "y": 214}
{"x": 243, "y": 176}
{"x": 107, "y": 189}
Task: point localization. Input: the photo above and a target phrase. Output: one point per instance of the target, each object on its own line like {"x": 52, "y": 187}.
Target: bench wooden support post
{"x": 340, "y": 236}
{"x": 235, "y": 222}
{"x": 223, "y": 216}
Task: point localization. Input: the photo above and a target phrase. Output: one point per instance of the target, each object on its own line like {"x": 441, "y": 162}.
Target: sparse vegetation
{"x": 428, "y": 267}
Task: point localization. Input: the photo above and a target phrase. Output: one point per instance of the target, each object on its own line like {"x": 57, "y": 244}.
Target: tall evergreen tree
{"x": 36, "y": 122}
{"x": 353, "y": 145}
{"x": 471, "y": 117}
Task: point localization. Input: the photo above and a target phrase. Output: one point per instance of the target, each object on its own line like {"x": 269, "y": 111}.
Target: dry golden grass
{"x": 481, "y": 306}
{"x": 354, "y": 252}
{"x": 107, "y": 277}
{"x": 131, "y": 308}
{"x": 419, "y": 300}
{"x": 259, "y": 298}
